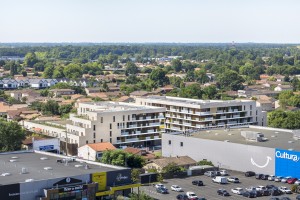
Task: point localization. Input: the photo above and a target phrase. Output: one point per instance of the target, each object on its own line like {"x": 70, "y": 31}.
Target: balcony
{"x": 189, "y": 118}
{"x": 208, "y": 119}
{"x": 187, "y": 124}
{"x": 168, "y": 115}
{"x": 223, "y": 117}
{"x": 154, "y": 124}
{"x": 124, "y": 133}
{"x": 176, "y": 122}
{"x": 235, "y": 116}
{"x": 151, "y": 131}
{"x": 184, "y": 111}
{"x": 149, "y": 117}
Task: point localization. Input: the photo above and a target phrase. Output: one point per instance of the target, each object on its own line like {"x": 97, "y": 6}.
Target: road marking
{"x": 261, "y": 166}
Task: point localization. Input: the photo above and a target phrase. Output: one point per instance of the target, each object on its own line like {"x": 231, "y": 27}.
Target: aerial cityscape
{"x": 149, "y": 100}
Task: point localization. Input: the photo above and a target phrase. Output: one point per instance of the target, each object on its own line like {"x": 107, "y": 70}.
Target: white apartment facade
{"x": 121, "y": 124}
{"x": 186, "y": 114}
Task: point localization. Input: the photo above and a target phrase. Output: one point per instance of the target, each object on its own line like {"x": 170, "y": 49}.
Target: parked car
{"x": 176, "y": 188}
{"x": 223, "y": 192}
{"x": 284, "y": 180}
{"x": 297, "y": 182}
{"x": 251, "y": 188}
{"x": 264, "y": 177}
{"x": 162, "y": 190}
{"x": 249, "y": 173}
{"x": 237, "y": 190}
{"x": 210, "y": 173}
{"x": 274, "y": 198}
{"x": 249, "y": 194}
{"x": 197, "y": 182}
{"x": 270, "y": 186}
{"x": 191, "y": 195}
{"x": 182, "y": 197}
{"x": 275, "y": 191}
{"x": 278, "y": 178}
{"x": 220, "y": 179}
{"x": 258, "y": 176}
{"x": 160, "y": 186}
{"x": 298, "y": 197}
{"x": 261, "y": 188}
{"x": 291, "y": 180}
{"x": 233, "y": 180}
{"x": 223, "y": 172}
{"x": 285, "y": 190}
{"x": 259, "y": 193}
{"x": 271, "y": 178}
{"x": 285, "y": 198}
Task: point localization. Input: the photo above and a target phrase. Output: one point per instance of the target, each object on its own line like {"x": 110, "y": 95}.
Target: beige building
{"x": 94, "y": 151}
{"x": 185, "y": 114}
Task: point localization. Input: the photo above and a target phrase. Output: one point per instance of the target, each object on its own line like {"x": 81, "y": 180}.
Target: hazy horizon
{"x": 136, "y": 21}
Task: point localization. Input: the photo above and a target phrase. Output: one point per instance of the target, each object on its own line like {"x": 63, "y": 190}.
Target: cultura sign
{"x": 285, "y": 155}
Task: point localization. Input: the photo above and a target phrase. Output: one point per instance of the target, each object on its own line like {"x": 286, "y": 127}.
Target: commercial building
{"x": 277, "y": 152}
{"x": 39, "y": 175}
{"x": 185, "y": 114}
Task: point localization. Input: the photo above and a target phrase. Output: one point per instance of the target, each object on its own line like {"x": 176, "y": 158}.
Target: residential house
{"x": 266, "y": 103}
{"x": 280, "y": 88}
{"x": 181, "y": 161}
{"x": 9, "y": 84}
{"x": 139, "y": 93}
{"x": 60, "y": 92}
{"x": 92, "y": 90}
{"x": 38, "y": 83}
{"x": 94, "y": 151}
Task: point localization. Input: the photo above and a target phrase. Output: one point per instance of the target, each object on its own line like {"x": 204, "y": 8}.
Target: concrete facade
{"x": 185, "y": 114}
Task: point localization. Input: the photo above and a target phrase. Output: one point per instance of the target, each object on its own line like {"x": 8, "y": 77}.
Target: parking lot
{"x": 209, "y": 190}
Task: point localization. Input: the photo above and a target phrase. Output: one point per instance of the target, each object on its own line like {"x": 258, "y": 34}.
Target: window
{"x": 94, "y": 135}
{"x": 169, "y": 142}
{"x": 250, "y": 107}
{"x": 110, "y": 140}
{"x": 94, "y": 141}
{"x": 181, "y": 144}
{"x": 101, "y": 119}
{"x": 94, "y": 127}
{"x": 128, "y": 117}
{"x": 250, "y": 112}
{"x": 110, "y": 126}
{"x": 87, "y": 142}
{"x": 256, "y": 112}
{"x": 110, "y": 133}
{"x": 256, "y": 118}
{"x": 114, "y": 118}
{"x": 101, "y": 140}
{"x": 244, "y": 107}
{"x": 123, "y": 118}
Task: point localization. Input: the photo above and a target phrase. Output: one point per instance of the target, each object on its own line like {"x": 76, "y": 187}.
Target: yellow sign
{"x": 100, "y": 178}
{"x": 114, "y": 189}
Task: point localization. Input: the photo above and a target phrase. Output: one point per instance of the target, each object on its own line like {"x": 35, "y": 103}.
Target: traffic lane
{"x": 209, "y": 191}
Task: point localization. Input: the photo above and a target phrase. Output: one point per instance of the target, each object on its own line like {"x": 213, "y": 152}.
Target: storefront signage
{"x": 120, "y": 177}
{"x": 67, "y": 181}
{"x": 46, "y": 148}
{"x": 287, "y": 163}
{"x": 73, "y": 188}
{"x": 100, "y": 178}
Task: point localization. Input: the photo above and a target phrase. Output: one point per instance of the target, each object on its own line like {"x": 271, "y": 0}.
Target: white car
{"x": 261, "y": 188}
{"x": 297, "y": 182}
{"x": 278, "y": 178}
{"x": 284, "y": 180}
{"x": 223, "y": 172}
{"x": 285, "y": 190}
{"x": 176, "y": 188}
{"x": 237, "y": 191}
{"x": 159, "y": 186}
{"x": 251, "y": 188}
{"x": 271, "y": 178}
{"x": 233, "y": 180}
{"x": 191, "y": 195}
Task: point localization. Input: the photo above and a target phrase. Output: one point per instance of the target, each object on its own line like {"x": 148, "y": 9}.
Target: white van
{"x": 220, "y": 180}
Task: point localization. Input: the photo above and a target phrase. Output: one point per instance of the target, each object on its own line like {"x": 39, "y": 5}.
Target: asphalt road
{"x": 209, "y": 190}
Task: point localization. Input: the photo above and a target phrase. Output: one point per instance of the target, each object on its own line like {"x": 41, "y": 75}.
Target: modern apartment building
{"x": 185, "y": 114}
{"x": 121, "y": 124}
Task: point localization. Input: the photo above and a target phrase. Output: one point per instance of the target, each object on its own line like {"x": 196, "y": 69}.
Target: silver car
{"x": 278, "y": 178}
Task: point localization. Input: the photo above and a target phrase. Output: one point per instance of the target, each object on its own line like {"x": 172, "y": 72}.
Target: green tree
{"x": 58, "y": 72}
{"x": 192, "y": 91}
{"x": 284, "y": 97}
{"x": 121, "y": 158}
{"x": 140, "y": 196}
{"x": 50, "y": 108}
{"x": 65, "y": 109}
{"x": 172, "y": 168}
{"x": 201, "y": 77}
{"x": 210, "y": 92}
{"x": 135, "y": 175}
{"x": 177, "y": 65}
{"x": 131, "y": 68}
{"x": 24, "y": 73}
{"x": 158, "y": 75}
{"x": 11, "y": 136}
{"x": 13, "y": 68}
{"x": 205, "y": 162}
{"x": 230, "y": 80}
{"x": 30, "y": 59}
{"x": 49, "y": 70}
{"x": 73, "y": 71}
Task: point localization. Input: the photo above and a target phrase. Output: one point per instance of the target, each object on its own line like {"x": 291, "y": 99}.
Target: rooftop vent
{"x": 14, "y": 157}
{"x": 290, "y": 142}
{"x": 47, "y": 168}
{"x": 78, "y": 166}
{"x": 216, "y": 133}
{"x": 24, "y": 171}
{"x": 29, "y": 180}
{"x": 207, "y": 131}
{"x": 290, "y": 149}
{"x": 276, "y": 132}
{"x": 226, "y": 141}
{"x": 5, "y": 174}
{"x": 230, "y": 134}
{"x": 44, "y": 158}
{"x": 273, "y": 136}
{"x": 12, "y": 160}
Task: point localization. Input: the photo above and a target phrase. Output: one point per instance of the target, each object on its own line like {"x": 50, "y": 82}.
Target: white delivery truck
{"x": 220, "y": 180}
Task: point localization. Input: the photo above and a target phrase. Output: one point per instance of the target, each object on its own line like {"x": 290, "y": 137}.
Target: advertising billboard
{"x": 100, "y": 178}
{"x": 287, "y": 163}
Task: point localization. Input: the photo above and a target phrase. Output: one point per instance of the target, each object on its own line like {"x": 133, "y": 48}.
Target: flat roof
{"x": 276, "y": 138}
{"x": 118, "y": 106}
{"x": 35, "y": 166}
{"x": 187, "y": 101}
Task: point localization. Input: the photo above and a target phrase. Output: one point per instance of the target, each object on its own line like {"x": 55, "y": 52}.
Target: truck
{"x": 220, "y": 180}
{"x": 252, "y": 135}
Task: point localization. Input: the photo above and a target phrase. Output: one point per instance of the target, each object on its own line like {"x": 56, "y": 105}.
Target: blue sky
{"x": 150, "y": 21}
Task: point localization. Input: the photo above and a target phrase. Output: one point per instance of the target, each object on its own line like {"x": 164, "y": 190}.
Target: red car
{"x": 291, "y": 180}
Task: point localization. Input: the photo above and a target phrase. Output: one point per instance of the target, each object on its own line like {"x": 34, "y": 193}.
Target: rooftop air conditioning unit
{"x": 24, "y": 171}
